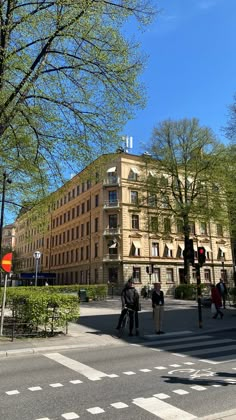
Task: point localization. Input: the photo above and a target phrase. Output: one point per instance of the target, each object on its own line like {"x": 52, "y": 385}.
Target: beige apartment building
{"x": 94, "y": 232}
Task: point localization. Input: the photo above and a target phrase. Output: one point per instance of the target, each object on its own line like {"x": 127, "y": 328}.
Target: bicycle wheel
{"x": 123, "y": 325}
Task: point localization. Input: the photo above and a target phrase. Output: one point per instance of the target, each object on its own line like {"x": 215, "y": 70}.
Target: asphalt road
{"x": 178, "y": 377}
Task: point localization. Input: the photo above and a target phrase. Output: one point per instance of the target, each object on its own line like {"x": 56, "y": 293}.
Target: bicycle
{"x": 125, "y": 322}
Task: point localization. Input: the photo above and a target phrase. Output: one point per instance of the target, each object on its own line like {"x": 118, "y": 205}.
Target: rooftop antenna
{"x": 128, "y": 143}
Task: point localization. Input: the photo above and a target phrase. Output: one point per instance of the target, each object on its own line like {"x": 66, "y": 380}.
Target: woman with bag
{"x": 216, "y": 300}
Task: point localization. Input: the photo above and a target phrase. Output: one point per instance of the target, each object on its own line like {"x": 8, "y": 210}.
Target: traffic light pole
{"x": 197, "y": 267}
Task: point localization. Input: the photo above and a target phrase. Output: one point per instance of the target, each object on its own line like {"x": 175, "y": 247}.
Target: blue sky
{"x": 191, "y": 69}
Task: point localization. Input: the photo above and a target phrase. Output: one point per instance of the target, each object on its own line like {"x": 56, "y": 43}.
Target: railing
{"x": 112, "y": 180}
{"x": 112, "y": 257}
{"x": 112, "y": 231}
{"x": 111, "y": 204}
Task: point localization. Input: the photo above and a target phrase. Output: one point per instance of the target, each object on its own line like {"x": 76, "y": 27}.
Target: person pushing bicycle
{"x": 130, "y": 300}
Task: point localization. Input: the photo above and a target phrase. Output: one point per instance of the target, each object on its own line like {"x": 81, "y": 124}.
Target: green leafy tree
{"x": 69, "y": 81}
{"x": 183, "y": 176}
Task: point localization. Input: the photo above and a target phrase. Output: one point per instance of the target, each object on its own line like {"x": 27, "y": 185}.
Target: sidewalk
{"x": 96, "y": 326}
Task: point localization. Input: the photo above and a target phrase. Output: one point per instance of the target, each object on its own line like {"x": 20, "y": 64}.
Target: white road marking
{"x": 161, "y": 396}
{"x": 70, "y": 416}
{"x": 145, "y": 370}
{"x": 198, "y": 387}
{"x": 89, "y": 372}
{"x": 57, "y": 385}
{"x": 179, "y": 355}
{"x": 162, "y": 409}
{"x": 43, "y": 418}
{"x": 129, "y": 373}
{"x": 35, "y": 388}
{"x": 160, "y": 367}
{"x": 113, "y": 375}
{"x": 175, "y": 365}
{"x": 189, "y": 363}
{"x": 177, "y": 340}
{"x": 195, "y": 345}
{"x": 14, "y": 392}
{"x": 180, "y": 392}
{"x": 76, "y": 381}
{"x": 95, "y": 410}
{"x": 119, "y": 405}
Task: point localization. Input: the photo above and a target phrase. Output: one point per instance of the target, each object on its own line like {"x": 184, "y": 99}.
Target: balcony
{"x": 111, "y": 180}
{"x": 111, "y": 231}
{"x": 111, "y": 257}
{"x": 111, "y": 204}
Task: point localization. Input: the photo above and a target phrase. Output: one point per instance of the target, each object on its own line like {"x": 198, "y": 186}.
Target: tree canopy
{"x": 69, "y": 81}
{"x": 184, "y": 164}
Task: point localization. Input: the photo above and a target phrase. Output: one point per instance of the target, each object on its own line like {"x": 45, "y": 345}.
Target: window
{"x": 168, "y": 251}
{"x": 135, "y": 221}
{"x": 96, "y": 249}
{"x": 207, "y": 275}
{"x": 156, "y": 276}
{"x": 95, "y": 275}
{"x": 112, "y": 248}
{"x": 112, "y": 221}
{"x": 169, "y": 275}
{"x": 82, "y": 208}
{"x": 135, "y": 249}
{"x": 137, "y": 274}
{"x": 88, "y": 184}
{"x": 221, "y": 254}
{"x": 133, "y": 174}
{"x": 87, "y": 252}
{"x": 82, "y": 230}
{"x": 192, "y": 228}
{"x": 154, "y": 224}
{"x": 83, "y": 187}
{"x": 77, "y": 232}
{"x": 155, "y": 249}
{"x": 112, "y": 197}
{"x": 96, "y": 200}
{"x": 78, "y": 190}
{"x": 113, "y": 274}
{"x": 88, "y": 205}
{"x": 96, "y": 224}
{"x": 64, "y": 217}
{"x": 203, "y": 228}
{"x": 219, "y": 230}
{"x": 167, "y": 225}
{"x": 68, "y": 216}
{"x": 152, "y": 200}
{"x": 87, "y": 228}
{"x": 180, "y": 251}
{"x": 134, "y": 197}
{"x": 77, "y": 210}
{"x": 82, "y": 253}
{"x": 180, "y": 226}
{"x": 73, "y": 213}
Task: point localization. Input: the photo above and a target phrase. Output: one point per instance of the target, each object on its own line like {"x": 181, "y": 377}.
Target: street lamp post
{"x": 5, "y": 180}
{"x": 37, "y": 256}
{"x": 223, "y": 267}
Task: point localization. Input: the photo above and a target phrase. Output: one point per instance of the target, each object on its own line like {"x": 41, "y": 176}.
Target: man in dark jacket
{"x": 222, "y": 290}
{"x": 130, "y": 300}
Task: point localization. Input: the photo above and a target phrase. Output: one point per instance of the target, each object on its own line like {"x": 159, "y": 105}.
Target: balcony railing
{"x": 111, "y": 204}
{"x": 112, "y": 257}
{"x": 112, "y": 180}
{"x": 112, "y": 231}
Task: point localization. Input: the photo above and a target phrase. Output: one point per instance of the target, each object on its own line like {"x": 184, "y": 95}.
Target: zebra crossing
{"x": 207, "y": 348}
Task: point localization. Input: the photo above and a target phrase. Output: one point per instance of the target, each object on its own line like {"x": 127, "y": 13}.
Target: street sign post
{"x": 37, "y": 256}
{"x": 6, "y": 264}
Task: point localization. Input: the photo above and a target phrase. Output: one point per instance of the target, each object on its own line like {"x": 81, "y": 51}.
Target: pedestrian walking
{"x": 130, "y": 300}
{"x": 216, "y": 299}
{"x": 222, "y": 290}
{"x": 158, "y": 307}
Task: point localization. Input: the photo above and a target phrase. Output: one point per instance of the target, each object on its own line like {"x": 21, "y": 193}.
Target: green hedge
{"x": 189, "y": 291}
{"x": 37, "y": 307}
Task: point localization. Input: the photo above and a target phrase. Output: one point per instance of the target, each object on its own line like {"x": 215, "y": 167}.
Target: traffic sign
{"x": 7, "y": 262}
